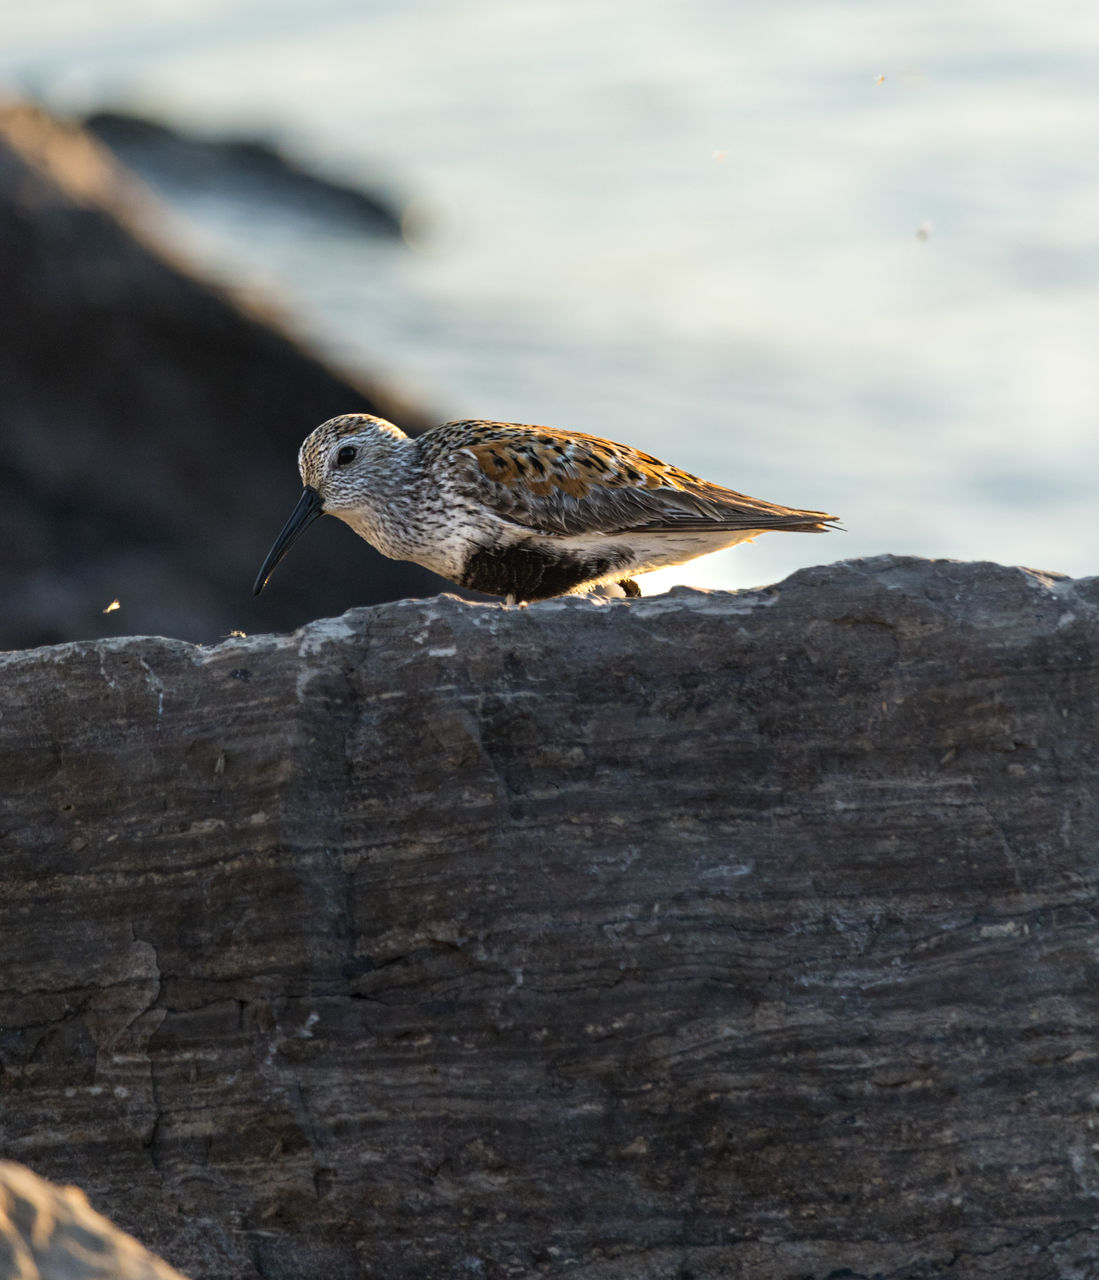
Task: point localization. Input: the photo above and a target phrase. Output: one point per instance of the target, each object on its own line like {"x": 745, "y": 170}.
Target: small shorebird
{"x": 519, "y": 511}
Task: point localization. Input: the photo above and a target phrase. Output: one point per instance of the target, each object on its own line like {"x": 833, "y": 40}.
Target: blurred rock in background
{"x": 52, "y": 1233}
{"x": 150, "y": 421}
{"x": 251, "y": 166}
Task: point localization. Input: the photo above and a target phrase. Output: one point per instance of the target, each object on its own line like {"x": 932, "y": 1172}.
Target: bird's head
{"x": 339, "y": 457}
{"x": 336, "y": 462}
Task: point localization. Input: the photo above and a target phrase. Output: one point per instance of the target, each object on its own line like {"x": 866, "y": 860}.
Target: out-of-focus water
{"x": 836, "y": 254}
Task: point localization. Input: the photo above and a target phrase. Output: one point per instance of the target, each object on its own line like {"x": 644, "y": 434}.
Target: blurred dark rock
{"x": 150, "y": 421}
{"x": 704, "y": 935}
{"x": 247, "y": 165}
{"x": 51, "y": 1233}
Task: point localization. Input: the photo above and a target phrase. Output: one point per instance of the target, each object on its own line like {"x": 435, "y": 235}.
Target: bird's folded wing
{"x": 563, "y": 484}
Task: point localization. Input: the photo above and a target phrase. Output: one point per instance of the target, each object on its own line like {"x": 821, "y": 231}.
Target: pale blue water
{"x": 709, "y": 229}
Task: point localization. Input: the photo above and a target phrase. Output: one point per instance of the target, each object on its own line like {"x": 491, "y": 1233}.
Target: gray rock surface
{"x": 705, "y": 935}
{"x": 151, "y": 421}
{"x": 51, "y": 1233}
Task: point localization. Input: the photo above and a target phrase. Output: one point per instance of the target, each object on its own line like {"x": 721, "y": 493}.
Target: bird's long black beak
{"x": 310, "y": 507}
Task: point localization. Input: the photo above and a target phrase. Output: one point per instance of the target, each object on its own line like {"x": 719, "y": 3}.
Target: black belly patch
{"x": 532, "y": 573}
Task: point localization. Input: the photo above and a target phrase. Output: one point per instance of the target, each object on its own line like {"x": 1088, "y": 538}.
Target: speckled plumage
{"x": 520, "y": 511}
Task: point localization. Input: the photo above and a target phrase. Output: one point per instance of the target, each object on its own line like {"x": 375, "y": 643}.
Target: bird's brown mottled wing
{"x": 565, "y": 483}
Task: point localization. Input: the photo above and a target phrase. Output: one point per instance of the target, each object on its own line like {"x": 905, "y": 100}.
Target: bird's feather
{"x": 564, "y": 483}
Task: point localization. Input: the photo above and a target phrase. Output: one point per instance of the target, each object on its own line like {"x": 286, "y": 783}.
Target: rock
{"x": 151, "y": 421}
{"x": 702, "y": 935}
{"x": 245, "y": 165}
{"x": 52, "y": 1233}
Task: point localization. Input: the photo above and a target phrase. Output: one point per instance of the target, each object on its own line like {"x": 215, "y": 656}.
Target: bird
{"x": 519, "y": 511}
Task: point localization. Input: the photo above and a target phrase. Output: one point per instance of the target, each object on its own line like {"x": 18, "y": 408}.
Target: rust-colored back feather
{"x": 567, "y": 483}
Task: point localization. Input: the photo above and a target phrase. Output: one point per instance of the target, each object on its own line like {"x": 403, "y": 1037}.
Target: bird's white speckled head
{"x": 347, "y": 457}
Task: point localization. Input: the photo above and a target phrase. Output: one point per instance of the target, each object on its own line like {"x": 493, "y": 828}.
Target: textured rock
{"x": 705, "y": 935}
{"x": 151, "y": 421}
{"x": 51, "y": 1233}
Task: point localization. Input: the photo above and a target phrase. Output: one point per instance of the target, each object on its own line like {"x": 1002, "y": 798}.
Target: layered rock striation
{"x": 704, "y": 935}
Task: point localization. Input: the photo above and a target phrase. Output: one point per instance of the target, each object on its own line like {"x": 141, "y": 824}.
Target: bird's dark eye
{"x": 345, "y": 455}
